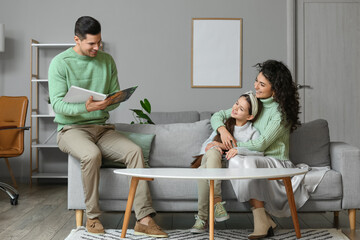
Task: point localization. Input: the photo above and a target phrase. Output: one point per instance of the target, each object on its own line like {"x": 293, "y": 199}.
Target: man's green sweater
{"x": 274, "y": 132}
{"x": 94, "y": 73}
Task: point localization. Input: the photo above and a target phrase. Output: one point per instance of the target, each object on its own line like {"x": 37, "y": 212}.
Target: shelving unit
{"x": 38, "y": 113}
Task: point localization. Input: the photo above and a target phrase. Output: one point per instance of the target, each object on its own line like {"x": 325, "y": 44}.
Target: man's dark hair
{"x": 87, "y": 25}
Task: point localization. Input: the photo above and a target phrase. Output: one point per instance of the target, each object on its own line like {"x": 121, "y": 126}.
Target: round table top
{"x": 211, "y": 173}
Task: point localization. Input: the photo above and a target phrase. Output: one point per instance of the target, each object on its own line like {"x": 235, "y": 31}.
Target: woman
{"x": 279, "y": 116}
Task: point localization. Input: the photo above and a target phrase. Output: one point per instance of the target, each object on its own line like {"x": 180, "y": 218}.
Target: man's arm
{"x": 58, "y": 89}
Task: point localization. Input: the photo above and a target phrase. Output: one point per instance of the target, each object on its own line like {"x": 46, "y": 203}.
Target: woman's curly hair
{"x": 285, "y": 90}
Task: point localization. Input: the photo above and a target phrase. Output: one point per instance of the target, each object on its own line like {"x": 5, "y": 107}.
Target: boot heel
{"x": 270, "y": 232}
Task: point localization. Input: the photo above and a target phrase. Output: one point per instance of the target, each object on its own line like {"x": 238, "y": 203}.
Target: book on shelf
{"x": 79, "y": 95}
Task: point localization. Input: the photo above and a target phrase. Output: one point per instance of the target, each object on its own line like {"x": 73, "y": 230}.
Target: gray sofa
{"x": 177, "y": 136}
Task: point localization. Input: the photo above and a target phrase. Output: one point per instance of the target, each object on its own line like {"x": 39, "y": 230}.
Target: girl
{"x": 243, "y": 111}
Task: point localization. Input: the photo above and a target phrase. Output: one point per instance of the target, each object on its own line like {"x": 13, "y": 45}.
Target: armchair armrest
{"x": 7, "y": 127}
{"x": 346, "y": 160}
{"x": 13, "y": 127}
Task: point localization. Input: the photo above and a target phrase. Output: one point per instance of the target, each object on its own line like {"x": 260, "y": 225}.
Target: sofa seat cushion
{"x": 310, "y": 144}
{"x": 330, "y": 187}
{"x": 174, "y": 144}
{"x": 161, "y": 189}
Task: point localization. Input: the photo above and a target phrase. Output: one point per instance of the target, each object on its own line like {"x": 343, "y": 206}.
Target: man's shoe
{"x": 220, "y": 212}
{"x": 94, "y": 226}
{"x": 200, "y": 225}
{"x": 152, "y": 230}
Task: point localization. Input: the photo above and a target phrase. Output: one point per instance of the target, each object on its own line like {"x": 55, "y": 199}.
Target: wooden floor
{"x": 42, "y": 214}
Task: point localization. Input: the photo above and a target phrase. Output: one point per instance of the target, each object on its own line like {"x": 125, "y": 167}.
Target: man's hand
{"x": 227, "y": 139}
{"x": 231, "y": 153}
{"x": 96, "y": 105}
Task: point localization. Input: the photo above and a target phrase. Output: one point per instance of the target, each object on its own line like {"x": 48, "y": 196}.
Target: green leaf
{"x": 146, "y": 105}
{"x": 137, "y": 111}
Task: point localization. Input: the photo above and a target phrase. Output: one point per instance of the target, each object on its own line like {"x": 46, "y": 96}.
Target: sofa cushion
{"x": 329, "y": 188}
{"x": 174, "y": 144}
{"x": 310, "y": 144}
{"x": 206, "y": 115}
{"x": 144, "y": 141}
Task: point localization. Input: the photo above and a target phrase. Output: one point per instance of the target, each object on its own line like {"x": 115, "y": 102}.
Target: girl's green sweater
{"x": 94, "y": 73}
{"x": 274, "y": 133}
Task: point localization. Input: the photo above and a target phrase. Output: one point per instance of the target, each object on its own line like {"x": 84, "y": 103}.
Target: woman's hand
{"x": 92, "y": 105}
{"x": 231, "y": 153}
{"x": 227, "y": 139}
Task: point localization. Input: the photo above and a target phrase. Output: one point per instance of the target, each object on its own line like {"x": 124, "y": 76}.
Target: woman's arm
{"x": 274, "y": 129}
{"x": 217, "y": 123}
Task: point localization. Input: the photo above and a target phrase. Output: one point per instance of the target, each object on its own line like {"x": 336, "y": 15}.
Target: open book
{"x": 79, "y": 95}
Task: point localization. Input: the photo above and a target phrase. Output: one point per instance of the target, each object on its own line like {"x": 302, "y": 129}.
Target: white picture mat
{"x": 216, "y": 53}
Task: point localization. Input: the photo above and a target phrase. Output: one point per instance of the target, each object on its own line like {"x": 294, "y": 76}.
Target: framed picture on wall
{"x": 216, "y": 53}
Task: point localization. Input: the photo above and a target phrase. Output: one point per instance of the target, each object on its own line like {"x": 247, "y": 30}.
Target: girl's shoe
{"x": 200, "y": 225}
{"x": 220, "y": 212}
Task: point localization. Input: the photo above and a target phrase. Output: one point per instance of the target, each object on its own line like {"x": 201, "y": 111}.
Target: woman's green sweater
{"x": 274, "y": 132}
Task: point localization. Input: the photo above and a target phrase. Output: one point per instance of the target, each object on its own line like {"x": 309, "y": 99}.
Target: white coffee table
{"x": 211, "y": 174}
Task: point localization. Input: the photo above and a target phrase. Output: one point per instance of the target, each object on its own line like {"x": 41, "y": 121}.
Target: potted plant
{"x": 140, "y": 116}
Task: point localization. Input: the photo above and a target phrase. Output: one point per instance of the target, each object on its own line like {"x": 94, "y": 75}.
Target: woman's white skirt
{"x": 272, "y": 192}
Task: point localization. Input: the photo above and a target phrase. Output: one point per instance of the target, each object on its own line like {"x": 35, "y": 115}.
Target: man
{"x": 82, "y": 128}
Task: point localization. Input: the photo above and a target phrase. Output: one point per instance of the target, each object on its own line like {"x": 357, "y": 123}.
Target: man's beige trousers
{"x": 91, "y": 143}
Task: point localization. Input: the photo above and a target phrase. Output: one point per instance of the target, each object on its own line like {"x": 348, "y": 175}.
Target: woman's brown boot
{"x": 262, "y": 226}
{"x": 269, "y": 218}
{"x": 271, "y": 221}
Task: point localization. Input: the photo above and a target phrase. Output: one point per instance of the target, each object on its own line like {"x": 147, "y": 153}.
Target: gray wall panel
{"x": 150, "y": 41}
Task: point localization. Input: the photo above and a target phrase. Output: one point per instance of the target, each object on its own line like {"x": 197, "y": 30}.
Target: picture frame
{"x": 216, "y": 53}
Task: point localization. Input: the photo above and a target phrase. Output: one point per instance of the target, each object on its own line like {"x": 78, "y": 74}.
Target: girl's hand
{"x": 231, "y": 153}
{"x": 227, "y": 139}
{"x": 219, "y": 149}
{"x": 214, "y": 143}
{"x": 210, "y": 145}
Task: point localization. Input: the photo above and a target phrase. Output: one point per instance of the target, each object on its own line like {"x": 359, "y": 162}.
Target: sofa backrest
{"x": 179, "y": 117}
{"x": 175, "y": 117}
{"x": 175, "y": 144}
{"x": 310, "y": 144}
{"x": 179, "y": 136}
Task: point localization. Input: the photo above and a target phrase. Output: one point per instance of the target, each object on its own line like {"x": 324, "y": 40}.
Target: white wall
{"x": 150, "y": 41}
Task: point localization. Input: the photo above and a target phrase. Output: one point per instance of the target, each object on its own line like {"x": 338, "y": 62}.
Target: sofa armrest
{"x": 76, "y": 199}
{"x": 346, "y": 160}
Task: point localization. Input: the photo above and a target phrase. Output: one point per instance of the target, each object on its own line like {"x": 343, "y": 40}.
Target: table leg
{"x": 290, "y": 196}
{"x": 130, "y": 201}
{"x": 211, "y": 211}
